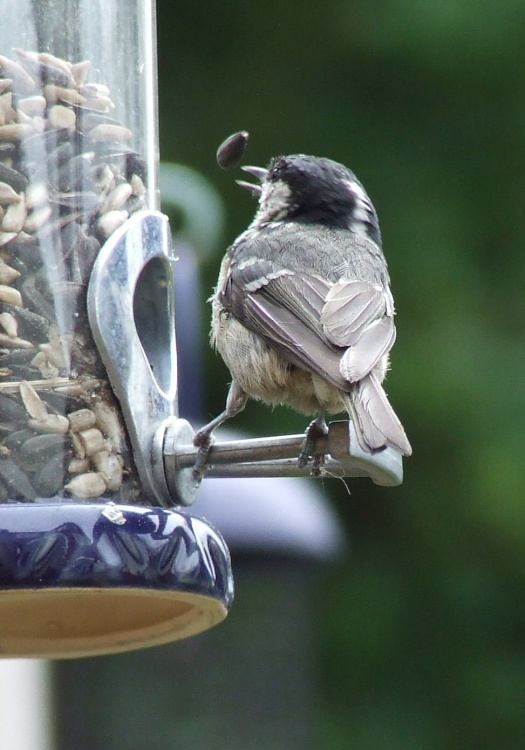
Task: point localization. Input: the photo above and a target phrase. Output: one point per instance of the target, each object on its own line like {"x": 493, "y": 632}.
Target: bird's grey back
{"x": 332, "y": 253}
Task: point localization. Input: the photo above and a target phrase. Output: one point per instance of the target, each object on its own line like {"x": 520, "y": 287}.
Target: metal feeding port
{"x": 130, "y": 312}
{"x": 275, "y": 457}
{"x": 130, "y": 309}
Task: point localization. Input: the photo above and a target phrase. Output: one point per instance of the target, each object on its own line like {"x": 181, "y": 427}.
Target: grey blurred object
{"x": 25, "y": 705}
{"x": 186, "y": 194}
{"x": 194, "y": 203}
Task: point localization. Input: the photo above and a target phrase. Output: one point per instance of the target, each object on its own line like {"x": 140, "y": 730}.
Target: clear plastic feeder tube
{"x": 78, "y": 156}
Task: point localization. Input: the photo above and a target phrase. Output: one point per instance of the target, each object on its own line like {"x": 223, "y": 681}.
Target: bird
{"x": 302, "y": 313}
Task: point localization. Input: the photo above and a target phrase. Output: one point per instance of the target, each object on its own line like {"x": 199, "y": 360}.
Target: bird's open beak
{"x": 258, "y": 172}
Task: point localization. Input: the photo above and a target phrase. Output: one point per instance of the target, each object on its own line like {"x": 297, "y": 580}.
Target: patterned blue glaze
{"x": 105, "y": 545}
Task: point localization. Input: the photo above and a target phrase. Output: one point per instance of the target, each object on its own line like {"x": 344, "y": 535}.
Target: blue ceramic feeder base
{"x": 88, "y": 579}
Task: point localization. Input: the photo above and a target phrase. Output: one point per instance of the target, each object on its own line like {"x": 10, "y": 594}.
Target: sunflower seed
{"x": 92, "y": 441}
{"x": 45, "y": 67}
{"x": 36, "y": 301}
{"x": 108, "y": 422}
{"x": 6, "y": 340}
{"x": 33, "y": 105}
{"x": 53, "y": 423}
{"x": 12, "y": 177}
{"x": 110, "y": 467}
{"x": 105, "y": 178}
{"x": 94, "y": 90}
{"x": 23, "y": 83}
{"x": 38, "y": 448}
{"x": 15, "y": 217}
{"x": 231, "y": 151}
{"x": 87, "y": 485}
{"x": 7, "y": 194}
{"x": 9, "y": 323}
{"x": 6, "y": 237}
{"x": 16, "y": 131}
{"x": 10, "y": 295}
{"x": 80, "y": 71}
{"x": 36, "y": 194}
{"x": 81, "y": 420}
{"x": 6, "y": 108}
{"x": 33, "y": 326}
{"x": 57, "y": 62}
{"x": 16, "y": 480}
{"x": 54, "y": 93}
{"x": 137, "y": 186}
{"x": 117, "y": 197}
{"x": 78, "y": 466}
{"x": 99, "y": 103}
{"x": 11, "y": 409}
{"x": 51, "y": 477}
{"x": 16, "y": 357}
{"x": 34, "y": 405}
{"x": 7, "y": 274}
{"x": 37, "y": 218}
{"x": 112, "y": 133}
{"x": 110, "y": 222}
{"x": 62, "y": 117}
{"x": 16, "y": 439}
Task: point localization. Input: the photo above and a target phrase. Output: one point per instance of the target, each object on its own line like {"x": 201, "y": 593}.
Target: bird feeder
{"x": 94, "y": 558}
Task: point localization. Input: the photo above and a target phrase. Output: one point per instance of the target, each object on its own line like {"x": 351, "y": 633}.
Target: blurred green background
{"x": 420, "y": 631}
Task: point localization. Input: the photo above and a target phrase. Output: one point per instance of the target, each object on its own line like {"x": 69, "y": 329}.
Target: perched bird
{"x": 302, "y": 313}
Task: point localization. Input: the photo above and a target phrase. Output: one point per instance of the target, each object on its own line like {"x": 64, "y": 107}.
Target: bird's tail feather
{"x": 375, "y": 421}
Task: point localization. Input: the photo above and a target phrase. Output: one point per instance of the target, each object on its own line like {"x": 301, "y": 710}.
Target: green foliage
{"x": 422, "y": 633}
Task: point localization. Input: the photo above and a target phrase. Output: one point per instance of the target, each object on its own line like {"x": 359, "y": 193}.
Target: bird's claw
{"x": 316, "y": 429}
{"x": 203, "y": 441}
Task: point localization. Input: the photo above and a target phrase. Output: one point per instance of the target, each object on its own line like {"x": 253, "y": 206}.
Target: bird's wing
{"x": 339, "y": 331}
{"x": 284, "y": 309}
{"x": 358, "y": 316}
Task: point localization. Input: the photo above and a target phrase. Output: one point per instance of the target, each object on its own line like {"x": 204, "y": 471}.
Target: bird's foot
{"x": 202, "y": 440}
{"x": 316, "y": 429}
{"x": 317, "y": 466}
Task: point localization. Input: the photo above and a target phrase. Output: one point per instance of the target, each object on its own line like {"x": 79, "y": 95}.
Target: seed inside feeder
{"x": 69, "y": 177}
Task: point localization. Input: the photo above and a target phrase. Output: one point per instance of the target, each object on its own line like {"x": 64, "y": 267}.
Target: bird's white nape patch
{"x": 362, "y": 201}
{"x": 357, "y": 191}
{"x": 363, "y": 208}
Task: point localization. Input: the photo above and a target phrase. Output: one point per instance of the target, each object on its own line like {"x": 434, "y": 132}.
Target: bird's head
{"x": 312, "y": 190}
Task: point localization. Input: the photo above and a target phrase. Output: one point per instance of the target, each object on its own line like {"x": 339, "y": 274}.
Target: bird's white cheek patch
{"x": 274, "y": 202}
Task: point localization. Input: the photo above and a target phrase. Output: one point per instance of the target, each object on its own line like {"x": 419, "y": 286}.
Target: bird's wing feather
{"x": 375, "y": 341}
{"x": 376, "y": 422}
{"x": 349, "y": 307}
{"x": 294, "y": 340}
{"x": 284, "y": 309}
{"x": 358, "y": 316}
{"x": 339, "y": 331}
